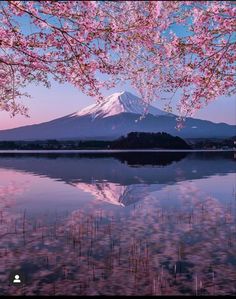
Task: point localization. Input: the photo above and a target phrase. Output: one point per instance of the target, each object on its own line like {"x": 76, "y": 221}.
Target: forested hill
{"x": 142, "y": 140}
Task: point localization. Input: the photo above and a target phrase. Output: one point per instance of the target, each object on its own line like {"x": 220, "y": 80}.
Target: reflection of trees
{"x": 186, "y": 249}
{"x": 131, "y": 158}
{"x": 144, "y": 158}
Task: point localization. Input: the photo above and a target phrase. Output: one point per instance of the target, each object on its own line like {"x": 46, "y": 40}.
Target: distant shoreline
{"x": 111, "y": 151}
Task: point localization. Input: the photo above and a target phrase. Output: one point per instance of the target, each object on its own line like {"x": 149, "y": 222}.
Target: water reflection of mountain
{"x": 122, "y": 178}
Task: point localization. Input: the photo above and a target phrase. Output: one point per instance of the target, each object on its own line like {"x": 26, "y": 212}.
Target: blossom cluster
{"x": 82, "y": 42}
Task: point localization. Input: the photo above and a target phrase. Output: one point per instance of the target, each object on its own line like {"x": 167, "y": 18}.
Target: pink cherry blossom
{"x": 77, "y": 41}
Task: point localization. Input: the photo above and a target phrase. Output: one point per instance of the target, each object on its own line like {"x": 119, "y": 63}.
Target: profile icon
{"x": 17, "y": 279}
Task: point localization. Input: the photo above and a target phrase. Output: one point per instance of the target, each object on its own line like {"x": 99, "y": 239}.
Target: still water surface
{"x": 118, "y": 223}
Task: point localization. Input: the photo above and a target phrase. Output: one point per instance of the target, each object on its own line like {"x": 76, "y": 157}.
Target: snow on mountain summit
{"x": 117, "y": 103}
{"x": 116, "y": 116}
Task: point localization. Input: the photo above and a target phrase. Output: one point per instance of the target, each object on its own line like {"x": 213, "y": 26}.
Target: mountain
{"x": 117, "y": 115}
{"x": 123, "y": 102}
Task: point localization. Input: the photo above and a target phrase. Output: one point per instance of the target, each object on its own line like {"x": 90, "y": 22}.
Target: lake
{"x": 118, "y": 223}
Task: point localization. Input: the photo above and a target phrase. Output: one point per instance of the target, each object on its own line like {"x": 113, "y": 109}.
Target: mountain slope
{"x": 118, "y": 115}
{"x": 117, "y": 103}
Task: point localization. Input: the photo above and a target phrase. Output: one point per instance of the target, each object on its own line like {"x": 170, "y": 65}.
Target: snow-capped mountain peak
{"x": 117, "y": 103}
{"x": 116, "y": 116}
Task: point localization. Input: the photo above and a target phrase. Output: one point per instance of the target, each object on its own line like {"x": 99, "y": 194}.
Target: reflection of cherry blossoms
{"x": 142, "y": 250}
{"x": 7, "y": 199}
{"x": 10, "y": 225}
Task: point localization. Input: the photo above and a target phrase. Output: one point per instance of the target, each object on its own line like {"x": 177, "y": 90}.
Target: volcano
{"x": 117, "y": 115}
